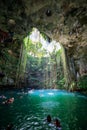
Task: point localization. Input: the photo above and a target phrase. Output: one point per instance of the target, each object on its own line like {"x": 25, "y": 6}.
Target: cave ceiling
{"x": 62, "y": 20}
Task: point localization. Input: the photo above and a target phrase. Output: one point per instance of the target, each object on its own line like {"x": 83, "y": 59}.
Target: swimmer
{"x": 57, "y": 124}
{"x": 3, "y": 97}
{"x": 9, "y": 101}
{"x": 9, "y": 127}
{"x": 49, "y": 119}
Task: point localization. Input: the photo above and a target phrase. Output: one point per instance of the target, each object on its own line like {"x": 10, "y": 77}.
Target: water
{"x": 29, "y": 110}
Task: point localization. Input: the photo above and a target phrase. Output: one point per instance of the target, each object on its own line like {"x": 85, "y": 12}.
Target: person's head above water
{"x": 57, "y": 123}
{"x": 9, "y": 127}
{"x": 49, "y": 118}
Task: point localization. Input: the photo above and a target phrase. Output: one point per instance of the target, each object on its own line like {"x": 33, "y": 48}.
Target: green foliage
{"x": 33, "y": 47}
{"x": 34, "y": 69}
{"x": 58, "y": 53}
{"x": 9, "y": 58}
{"x": 44, "y": 36}
{"x": 61, "y": 83}
{"x": 82, "y": 83}
{"x": 39, "y": 67}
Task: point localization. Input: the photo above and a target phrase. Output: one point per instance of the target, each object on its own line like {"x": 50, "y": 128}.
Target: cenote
{"x": 43, "y": 64}
{"x": 30, "y": 109}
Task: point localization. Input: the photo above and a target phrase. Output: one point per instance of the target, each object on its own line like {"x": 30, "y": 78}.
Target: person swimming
{"x": 49, "y": 119}
{"x": 10, "y": 126}
{"x": 57, "y": 124}
{"x": 2, "y": 97}
{"x": 9, "y": 101}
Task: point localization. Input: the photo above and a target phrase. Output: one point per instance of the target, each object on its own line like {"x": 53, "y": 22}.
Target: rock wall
{"x": 64, "y": 21}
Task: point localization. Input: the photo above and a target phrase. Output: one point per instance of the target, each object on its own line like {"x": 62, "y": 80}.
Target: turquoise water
{"x": 30, "y": 108}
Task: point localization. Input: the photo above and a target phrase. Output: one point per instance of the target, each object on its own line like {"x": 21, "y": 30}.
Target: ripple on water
{"x": 50, "y": 103}
{"x": 29, "y": 112}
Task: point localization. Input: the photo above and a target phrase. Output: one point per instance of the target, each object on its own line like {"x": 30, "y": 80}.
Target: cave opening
{"x": 41, "y": 62}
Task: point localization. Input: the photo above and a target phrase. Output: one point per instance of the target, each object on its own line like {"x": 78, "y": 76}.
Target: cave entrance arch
{"x": 41, "y": 61}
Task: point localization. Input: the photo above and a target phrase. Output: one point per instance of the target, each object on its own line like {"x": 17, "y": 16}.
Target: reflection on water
{"x": 29, "y": 110}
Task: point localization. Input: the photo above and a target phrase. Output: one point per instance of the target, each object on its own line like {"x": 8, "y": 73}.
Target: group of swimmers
{"x": 56, "y": 122}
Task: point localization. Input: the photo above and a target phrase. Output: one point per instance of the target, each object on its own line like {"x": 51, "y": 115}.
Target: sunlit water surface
{"x": 29, "y": 110}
